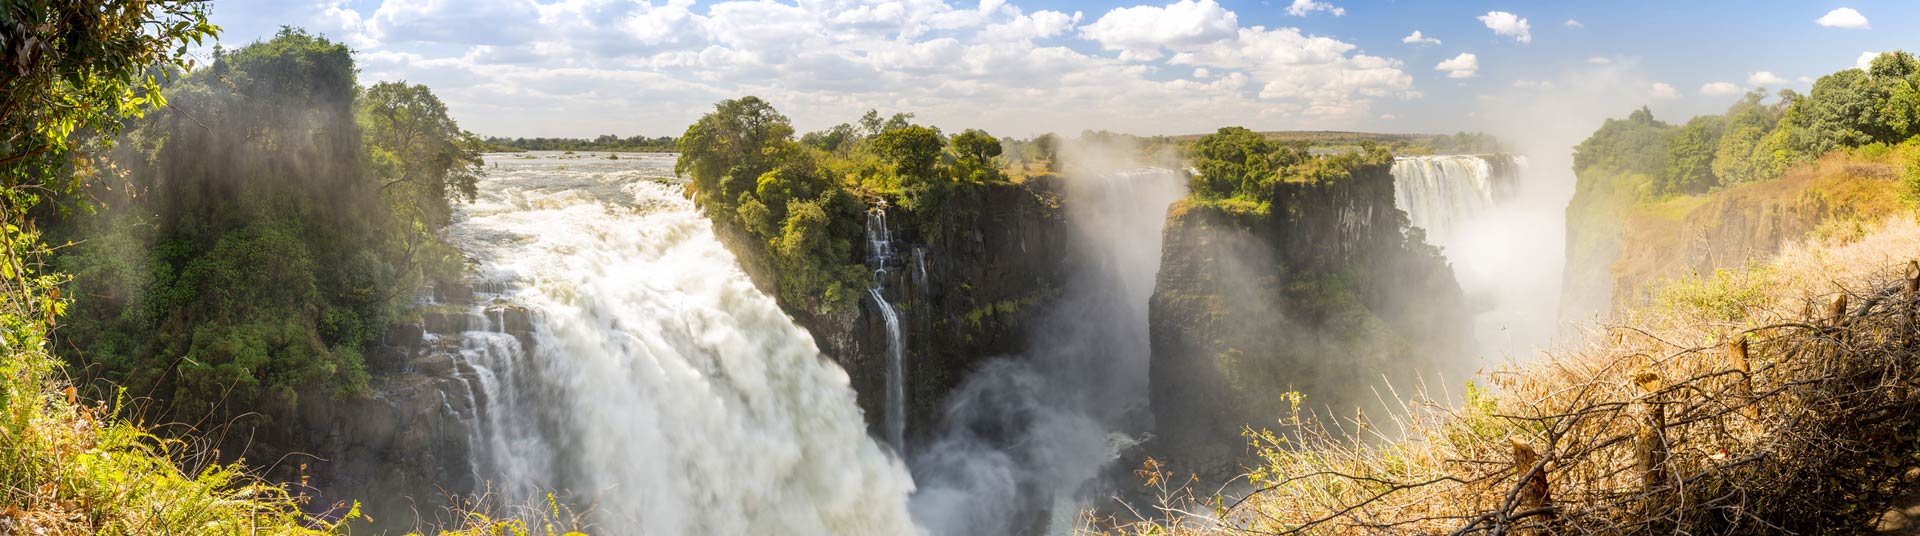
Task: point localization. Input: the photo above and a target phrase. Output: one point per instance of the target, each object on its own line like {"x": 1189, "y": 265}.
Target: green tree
{"x": 910, "y": 152}
{"x": 1637, "y": 144}
{"x": 1234, "y": 162}
{"x": 1743, "y": 156}
{"x": 426, "y": 161}
{"x": 974, "y": 152}
{"x": 79, "y": 67}
{"x": 727, "y": 150}
{"x": 1690, "y": 155}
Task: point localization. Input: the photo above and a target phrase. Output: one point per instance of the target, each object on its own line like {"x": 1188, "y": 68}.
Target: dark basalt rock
{"x": 998, "y": 258}
{"x": 1325, "y": 294}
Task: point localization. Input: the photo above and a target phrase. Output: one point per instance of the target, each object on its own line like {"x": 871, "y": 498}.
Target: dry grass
{"x": 1749, "y": 402}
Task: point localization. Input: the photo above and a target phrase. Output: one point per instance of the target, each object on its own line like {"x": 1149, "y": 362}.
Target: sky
{"x": 581, "y": 68}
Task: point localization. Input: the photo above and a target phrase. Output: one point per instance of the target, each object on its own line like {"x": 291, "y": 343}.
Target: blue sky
{"x": 1020, "y": 67}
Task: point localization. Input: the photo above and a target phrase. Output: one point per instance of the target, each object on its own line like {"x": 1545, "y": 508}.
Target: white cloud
{"x": 1465, "y": 65}
{"x": 1715, "y": 89}
{"x": 1574, "y": 24}
{"x": 581, "y": 67}
{"x": 1140, "y": 32}
{"x": 1533, "y": 84}
{"x": 1508, "y": 24}
{"x": 1418, "y": 40}
{"x": 1764, "y": 78}
{"x": 1301, "y": 8}
{"x": 1865, "y": 61}
{"x": 1663, "y": 91}
{"x": 1844, "y": 17}
{"x": 1599, "y": 60}
{"x": 1387, "y": 117}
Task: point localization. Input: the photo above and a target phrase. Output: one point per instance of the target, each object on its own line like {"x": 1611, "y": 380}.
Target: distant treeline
{"x": 606, "y": 142}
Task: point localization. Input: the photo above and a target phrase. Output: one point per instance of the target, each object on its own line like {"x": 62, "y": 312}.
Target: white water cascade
{"x": 1441, "y": 193}
{"x": 659, "y": 382}
{"x": 880, "y": 244}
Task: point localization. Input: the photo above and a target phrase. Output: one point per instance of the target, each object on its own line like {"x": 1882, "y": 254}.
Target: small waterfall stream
{"x": 880, "y": 245}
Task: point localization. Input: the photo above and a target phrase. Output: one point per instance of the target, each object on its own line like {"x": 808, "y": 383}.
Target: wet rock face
{"x": 403, "y": 444}
{"x": 997, "y": 259}
{"x": 1324, "y": 295}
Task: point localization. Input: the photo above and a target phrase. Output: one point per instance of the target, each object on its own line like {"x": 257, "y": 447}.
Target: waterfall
{"x": 896, "y": 417}
{"x": 1442, "y": 192}
{"x": 880, "y": 246}
{"x": 650, "y": 377}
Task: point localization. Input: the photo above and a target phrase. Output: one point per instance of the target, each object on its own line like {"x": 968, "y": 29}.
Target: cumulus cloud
{"x": 1533, "y": 84}
{"x": 1663, "y": 91}
{"x": 1844, "y": 17}
{"x": 1574, "y": 24}
{"x": 1764, "y": 78}
{"x": 1599, "y": 60}
{"x": 1140, "y": 32}
{"x": 1716, "y": 89}
{"x": 1865, "y": 61}
{"x": 1418, "y": 40}
{"x": 1301, "y": 8}
{"x": 1465, "y": 65}
{"x": 1508, "y": 24}
{"x": 581, "y": 67}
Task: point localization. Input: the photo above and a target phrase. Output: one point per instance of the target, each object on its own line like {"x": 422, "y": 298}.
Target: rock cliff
{"x": 1326, "y": 294}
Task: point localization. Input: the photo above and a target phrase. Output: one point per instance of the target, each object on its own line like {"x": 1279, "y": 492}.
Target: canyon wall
{"x": 1325, "y": 294}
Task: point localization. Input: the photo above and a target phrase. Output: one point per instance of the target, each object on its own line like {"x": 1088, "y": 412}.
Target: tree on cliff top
{"x": 726, "y": 151}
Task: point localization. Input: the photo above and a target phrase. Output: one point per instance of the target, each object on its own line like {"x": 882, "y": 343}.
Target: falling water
{"x": 653, "y": 379}
{"x": 1441, "y": 192}
{"x": 896, "y": 375}
{"x": 880, "y": 242}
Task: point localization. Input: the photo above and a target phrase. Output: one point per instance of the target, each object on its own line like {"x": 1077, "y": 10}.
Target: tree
{"x": 79, "y": 67}
{"x": 727, "y": 150}
{"x": 1048, "y": 147}
{"x": 1689, "y": 166}
{"x": 426, "y": 160}
{"x": 1742, "y": 155}
{"x": 911, "y": 152}
{"x": 1234, "y": 162}
{"x": 974, "y": 151}
{"x": 1637, "y": 144}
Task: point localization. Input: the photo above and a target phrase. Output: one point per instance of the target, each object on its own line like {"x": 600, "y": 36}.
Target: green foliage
{"x": 1689, "y": 157}
{"x": 727, "y": 151}
{"x": 272, "y": 222}
{"x": 1726, "y": 296}
{"x": 80, "y": 67}
{"x": 421, "y": 156}
{"x": 1637, "y": 144}
{"x": 1744, "y": 154}
{"x": 1239, "y": 168}
{"x": 974, "y": 152}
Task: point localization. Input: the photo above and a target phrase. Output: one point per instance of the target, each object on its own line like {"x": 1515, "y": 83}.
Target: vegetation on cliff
{"x": 804, "y": 201}
{"x": 257, "y": 234}
{"x": 1639, "y": 167}
{"x": 83, "y": 461}
{"x": 1763, "y": 400}
{"x": 1286, "y": 270}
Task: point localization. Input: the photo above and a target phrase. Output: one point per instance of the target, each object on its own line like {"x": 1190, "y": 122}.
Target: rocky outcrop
{"x": 402, "y": 446}
{"x": 1617, "y": 252}
{"x": 966, "y": 281}
{"x": 1323, "y": 294}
